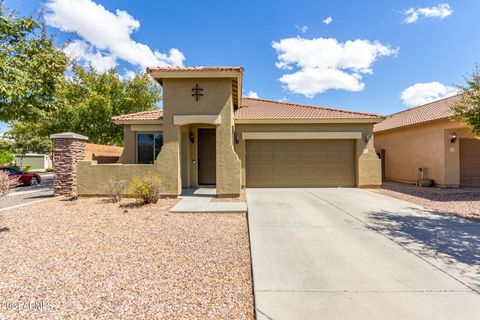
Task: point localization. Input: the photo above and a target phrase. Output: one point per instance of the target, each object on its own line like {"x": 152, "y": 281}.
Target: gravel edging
{"x": 464, "y": 203}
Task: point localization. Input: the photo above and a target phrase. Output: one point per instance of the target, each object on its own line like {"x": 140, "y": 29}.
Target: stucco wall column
{"x": 168, "y": 160}
{"x": 68, "y": 149}
{"x": 369, "y": 165}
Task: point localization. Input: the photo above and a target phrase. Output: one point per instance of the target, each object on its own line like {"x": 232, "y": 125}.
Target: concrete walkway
{"x": 353, "y": 254}
{"x": 198, "y": 200}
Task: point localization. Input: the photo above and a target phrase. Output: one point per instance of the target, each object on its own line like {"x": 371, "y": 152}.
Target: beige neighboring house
{"x": 207, "y": 134}
{"x": 425, "y": 137}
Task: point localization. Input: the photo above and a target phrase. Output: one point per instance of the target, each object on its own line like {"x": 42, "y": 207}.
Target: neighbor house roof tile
{"x": 261, "y": 109}
{"x": 436, "y": 110}
{"x": 144, "y": 115}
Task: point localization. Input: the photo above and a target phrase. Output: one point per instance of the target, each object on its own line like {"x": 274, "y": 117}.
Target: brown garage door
{"x": 300, "y": 163}
{"x": 470, "y": 162}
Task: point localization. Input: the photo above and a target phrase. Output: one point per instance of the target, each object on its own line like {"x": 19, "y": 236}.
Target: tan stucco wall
{"x": 92, "y": 177}
{"x": 217, "y": 100}
{"x": 128, "y": 155}
{"x": 423, "y": 146}
{"x": 368, "y": 163}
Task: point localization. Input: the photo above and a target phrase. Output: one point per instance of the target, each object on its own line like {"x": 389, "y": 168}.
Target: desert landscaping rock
{"x": 89, "y": 259}
{"x": 459, "y": 202}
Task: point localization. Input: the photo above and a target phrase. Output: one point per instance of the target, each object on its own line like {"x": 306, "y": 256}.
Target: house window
{"x": 148, "y": 147}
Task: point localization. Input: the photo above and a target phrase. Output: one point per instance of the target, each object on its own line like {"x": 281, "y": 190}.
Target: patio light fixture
{"x": 453, "y": 137}
{"x": 237, "y": 138}
{"x": 192, "y": 138}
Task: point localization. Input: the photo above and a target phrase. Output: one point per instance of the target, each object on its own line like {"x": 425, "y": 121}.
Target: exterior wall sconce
{"x": 367, "y": 138}
{"x": 192, "y": 138}
{"x": 237, "y": 138}
{"x": 453, "y": 137}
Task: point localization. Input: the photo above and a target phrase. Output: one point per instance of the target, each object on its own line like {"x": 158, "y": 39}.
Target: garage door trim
{"x": 300, "y": 135}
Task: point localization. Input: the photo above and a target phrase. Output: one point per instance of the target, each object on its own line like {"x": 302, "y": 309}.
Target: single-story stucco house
{"x": 207, "y": 134}
{"x": 425, "y": 137}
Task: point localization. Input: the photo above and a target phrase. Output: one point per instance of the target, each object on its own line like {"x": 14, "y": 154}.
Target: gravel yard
{"x": 460, "y": 202}
{"x": 93, "y": 259}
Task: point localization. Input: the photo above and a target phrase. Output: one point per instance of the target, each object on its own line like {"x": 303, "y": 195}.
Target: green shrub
{"x": 147, "y": 188}
{"x": 26, "y": 169}
{"x": 115, "y": 190}
{"x": 6, "y": 158}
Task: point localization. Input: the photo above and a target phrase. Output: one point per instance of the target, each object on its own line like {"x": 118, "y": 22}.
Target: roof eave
{"x": 417, "y": 124}
{"x": 306, "y": 121}
{"x": 124, "y": 121}
{"x": 159, "y": 75}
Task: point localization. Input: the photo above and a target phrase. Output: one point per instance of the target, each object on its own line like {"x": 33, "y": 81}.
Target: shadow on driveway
{"x": 437, "y": 233}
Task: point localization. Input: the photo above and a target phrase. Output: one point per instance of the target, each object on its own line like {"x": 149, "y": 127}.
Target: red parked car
{"x": 27, "y": 179}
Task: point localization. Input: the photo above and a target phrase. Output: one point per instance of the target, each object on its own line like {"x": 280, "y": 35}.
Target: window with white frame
{"x": 148, "y": 147}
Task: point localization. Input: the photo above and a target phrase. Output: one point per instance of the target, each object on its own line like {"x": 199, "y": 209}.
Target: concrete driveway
{"x": 354, "y": 254}
{"x": 22, "y": 195}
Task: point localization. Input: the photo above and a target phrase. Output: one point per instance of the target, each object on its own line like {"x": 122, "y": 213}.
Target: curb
{"x": 28, "y": 203}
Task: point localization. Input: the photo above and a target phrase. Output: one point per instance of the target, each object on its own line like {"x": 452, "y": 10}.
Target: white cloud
{"x": 251, "y": 94}
{"x": 128, "y": 75}
{"x": 422, "y": 93}
{"x": 86, "y": 54}
{"x": 440, "y": 11}
{"x": 328, "y": 20}
{"x": 105, "y": 34}
{"x": 322, "y": 64}
{"x": 302, "y": 29}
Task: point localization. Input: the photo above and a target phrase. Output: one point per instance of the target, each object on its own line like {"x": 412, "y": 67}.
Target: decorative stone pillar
{"x": 68, "y": 149}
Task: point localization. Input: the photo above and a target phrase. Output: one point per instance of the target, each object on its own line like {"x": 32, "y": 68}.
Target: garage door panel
{"x": 301, "y": 163}
{"x": 470, "y": 162}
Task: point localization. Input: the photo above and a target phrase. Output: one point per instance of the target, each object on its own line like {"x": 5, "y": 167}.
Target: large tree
{"x": 468, "y": 108}
{"x": 31, "y": 68}
{"x": 88, "y": 99}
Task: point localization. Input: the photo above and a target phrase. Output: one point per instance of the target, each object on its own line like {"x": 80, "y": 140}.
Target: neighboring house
{"x": 207, "y": 134}
{"x": 36, "y": 161}
{"x": 425, "y": 137}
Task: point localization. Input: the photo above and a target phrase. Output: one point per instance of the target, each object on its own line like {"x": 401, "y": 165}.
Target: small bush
{"x": 26, "y": 169}
{"x": 6, "y": 183}
{"x": 115, "y": 189}
{"x": 6, "y": 158}
{"x": 146, "y": 189}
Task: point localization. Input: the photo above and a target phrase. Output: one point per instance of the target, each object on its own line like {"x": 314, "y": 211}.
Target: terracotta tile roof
{"x": 435, "y": 110}
{"x": 144, "y": 115}
{"x": 199, "y": 69}
{"x": 261, "y": 109}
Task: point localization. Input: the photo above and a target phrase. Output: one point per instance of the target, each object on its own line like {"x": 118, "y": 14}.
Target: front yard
{"x": 93, "y": 259}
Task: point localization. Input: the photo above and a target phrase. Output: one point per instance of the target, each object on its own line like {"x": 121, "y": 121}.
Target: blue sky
{"x": 363, "y": 59}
